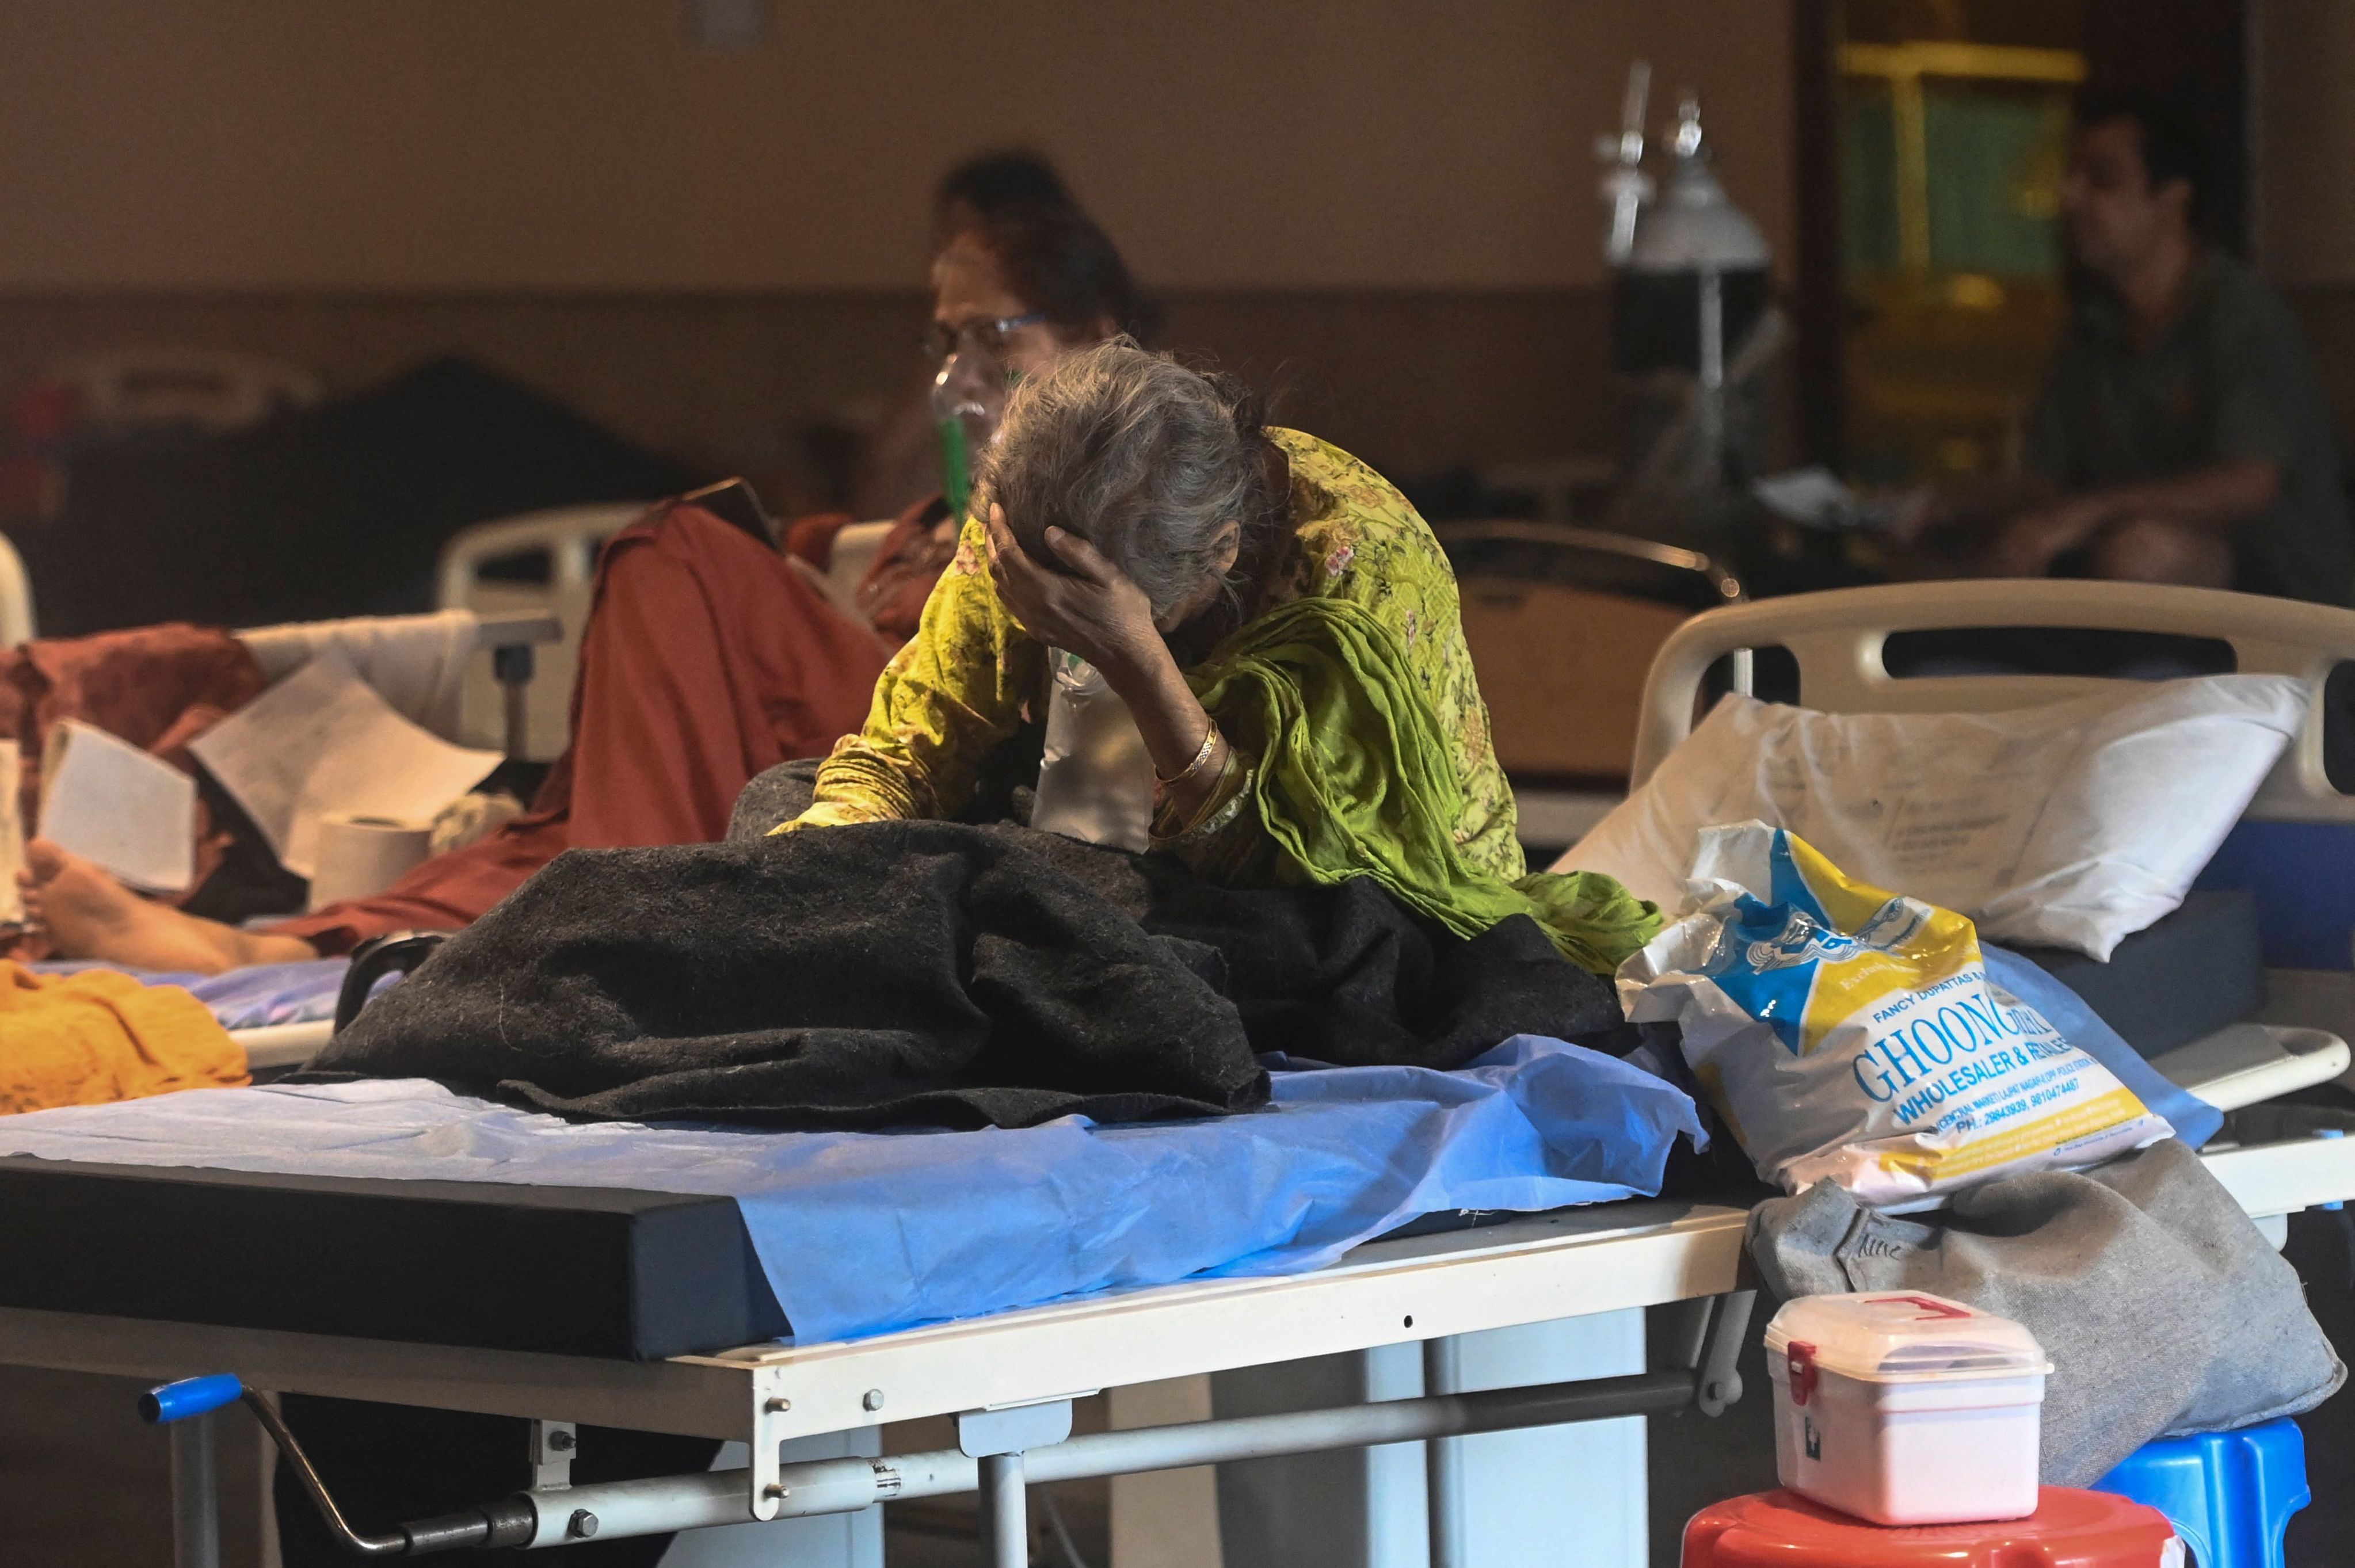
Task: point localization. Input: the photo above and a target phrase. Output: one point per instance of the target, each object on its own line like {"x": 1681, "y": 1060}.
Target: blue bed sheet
{"x": 863, "y": 1232}
{"x": 249, "y": 998}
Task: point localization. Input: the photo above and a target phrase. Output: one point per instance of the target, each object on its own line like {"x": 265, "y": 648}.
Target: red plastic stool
{"x": 2070, "y": 1529}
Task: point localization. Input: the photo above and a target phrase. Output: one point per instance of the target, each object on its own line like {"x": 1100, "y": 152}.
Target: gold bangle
{"x": 1209, "y": 744}
{"x": 1211, "y": 823}
{"x": 1164, "y": 806}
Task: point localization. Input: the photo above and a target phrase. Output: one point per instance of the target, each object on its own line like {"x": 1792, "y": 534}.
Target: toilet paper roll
{"x": 356, "y": 856}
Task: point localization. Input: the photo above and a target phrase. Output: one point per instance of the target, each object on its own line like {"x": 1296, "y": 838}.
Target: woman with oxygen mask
{"x": 969, "y": 396}
{"x": 1014, "y": 290}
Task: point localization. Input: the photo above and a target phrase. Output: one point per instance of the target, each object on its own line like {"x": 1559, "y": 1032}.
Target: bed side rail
{"x": 1837, "y": 639}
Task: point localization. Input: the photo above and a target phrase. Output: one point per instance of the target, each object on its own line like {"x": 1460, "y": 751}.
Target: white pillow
{"x": 2072, "y": 825}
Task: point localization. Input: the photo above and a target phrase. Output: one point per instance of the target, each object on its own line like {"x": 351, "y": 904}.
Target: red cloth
{"x": 910, "y": 560}
{"x": 907, "y": 563}
{"x": 706, "y": 660}
{"x": 812, "y": 538}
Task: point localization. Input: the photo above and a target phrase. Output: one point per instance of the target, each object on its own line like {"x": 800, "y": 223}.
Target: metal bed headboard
{"x": 1837, "y": 639}
{"x": 510, "y": 638}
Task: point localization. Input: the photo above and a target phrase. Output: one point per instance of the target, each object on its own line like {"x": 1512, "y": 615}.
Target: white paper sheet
{"x": 114, "y": 805}
{"x": 322, "y": 740}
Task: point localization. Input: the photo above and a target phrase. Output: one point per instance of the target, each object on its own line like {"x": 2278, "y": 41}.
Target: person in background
{"x": 706, "y": 659}
{"x": 990, "y": 183}
{"x": 901, "y": 463}
{"x": 2179, "y": 436}
{"x": 1013, "y": 291}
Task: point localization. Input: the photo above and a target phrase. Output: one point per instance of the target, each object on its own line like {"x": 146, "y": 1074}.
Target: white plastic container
{"x": 1905, "y": 1408}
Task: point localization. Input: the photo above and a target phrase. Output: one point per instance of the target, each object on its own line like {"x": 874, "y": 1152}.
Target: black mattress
{"x": 562, "y": 1270}
{"x": 2189, "y": 974}
{"x": 572, "y": 1271}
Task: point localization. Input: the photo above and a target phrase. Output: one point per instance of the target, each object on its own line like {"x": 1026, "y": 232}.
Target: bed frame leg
{"x": 1707, "y": 1342}
{"x": 1005, "y": 1510}
{"x": 195, "y": 1494}
{"x": 1717, "y": 1383}
{"x": 1443, "y": 1458}
{"x": 996, "y": 1440}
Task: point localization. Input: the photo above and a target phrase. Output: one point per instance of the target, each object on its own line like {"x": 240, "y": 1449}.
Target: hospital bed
{"x": 2295, "y": 848}
{"x": 280, "y": 1015}
{"x": 556, "y": 1334}
{"x": 538, "y": 562}
{"x": 522, "y": 586}
{"x": 510, "y": 638}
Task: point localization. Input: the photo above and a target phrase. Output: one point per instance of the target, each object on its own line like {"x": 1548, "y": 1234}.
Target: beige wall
{"x": 439, "y": 145}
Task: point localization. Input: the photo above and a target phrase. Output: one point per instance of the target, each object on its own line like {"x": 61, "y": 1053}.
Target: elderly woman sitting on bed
{"x": 1277, "y": 620}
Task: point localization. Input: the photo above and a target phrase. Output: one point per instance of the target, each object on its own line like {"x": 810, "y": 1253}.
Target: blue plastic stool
{"x": 2229, "y": 1494}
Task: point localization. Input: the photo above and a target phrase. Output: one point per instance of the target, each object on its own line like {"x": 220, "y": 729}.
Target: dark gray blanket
{"x": 936, "y": 974}
{"x": 2162, "y": 1308}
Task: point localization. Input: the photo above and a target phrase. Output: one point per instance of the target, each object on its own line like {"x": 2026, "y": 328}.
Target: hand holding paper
{"x": 107, "y": 801}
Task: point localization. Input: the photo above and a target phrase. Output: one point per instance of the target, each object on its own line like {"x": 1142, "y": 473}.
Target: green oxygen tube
{"x": 956, "y": 462}
{"x": 954, "y": 411}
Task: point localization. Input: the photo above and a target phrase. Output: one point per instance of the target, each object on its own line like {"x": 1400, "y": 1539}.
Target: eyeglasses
{"x": 986, "y": 335}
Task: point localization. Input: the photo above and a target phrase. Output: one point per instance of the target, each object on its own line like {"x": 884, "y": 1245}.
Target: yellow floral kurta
{"x": 960, "y": 687}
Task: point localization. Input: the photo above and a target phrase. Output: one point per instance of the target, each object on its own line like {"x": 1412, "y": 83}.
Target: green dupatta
{"x": 1354, "y": 781}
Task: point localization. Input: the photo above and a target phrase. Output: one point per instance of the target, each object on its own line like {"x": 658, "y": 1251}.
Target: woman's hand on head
{"x": 1096, "y": 611}
{"x": 1093, "y": 609}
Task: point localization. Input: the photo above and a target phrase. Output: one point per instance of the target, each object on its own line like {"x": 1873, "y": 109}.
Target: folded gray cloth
{"x": 2163, "y": 1308}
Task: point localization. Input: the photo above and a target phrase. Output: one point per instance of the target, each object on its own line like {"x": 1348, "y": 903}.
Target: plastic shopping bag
{"x": 1848, "y": 1034}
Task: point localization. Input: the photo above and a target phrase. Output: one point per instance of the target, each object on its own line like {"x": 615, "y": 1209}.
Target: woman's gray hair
{"x": 1142, "y": 458}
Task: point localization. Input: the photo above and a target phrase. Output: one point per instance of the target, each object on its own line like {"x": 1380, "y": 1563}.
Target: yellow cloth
{"x": 83, "y": 1040}
{"x": 959, "y": 688}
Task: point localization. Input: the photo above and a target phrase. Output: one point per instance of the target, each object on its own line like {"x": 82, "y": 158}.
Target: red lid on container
{"x": 2070, "y": 1529}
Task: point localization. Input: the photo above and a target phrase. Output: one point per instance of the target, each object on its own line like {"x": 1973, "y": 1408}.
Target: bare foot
{"x": 89, "y": 915}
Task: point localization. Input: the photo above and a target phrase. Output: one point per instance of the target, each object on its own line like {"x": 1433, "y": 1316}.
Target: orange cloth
{"x": 86, "y": 1039}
